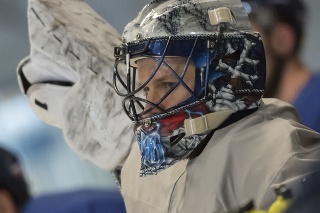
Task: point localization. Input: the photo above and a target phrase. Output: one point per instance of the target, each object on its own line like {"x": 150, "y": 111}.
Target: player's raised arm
{"x": 68, "y": 75}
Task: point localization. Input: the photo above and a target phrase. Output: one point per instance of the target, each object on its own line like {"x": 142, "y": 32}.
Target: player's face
{"x": 164, "y": 80}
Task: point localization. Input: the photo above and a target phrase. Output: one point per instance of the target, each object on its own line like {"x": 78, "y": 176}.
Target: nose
{"x": 153, "y": 97}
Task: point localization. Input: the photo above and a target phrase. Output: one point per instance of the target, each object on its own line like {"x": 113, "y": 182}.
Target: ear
{"x": 282, "y": 39}
{"x": 6, "y": 202}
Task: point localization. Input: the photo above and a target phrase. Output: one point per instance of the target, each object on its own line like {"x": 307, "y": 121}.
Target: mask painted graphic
{"x": 163, "y": 142}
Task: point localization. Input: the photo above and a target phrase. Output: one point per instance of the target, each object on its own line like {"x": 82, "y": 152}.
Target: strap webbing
{"x": 206, "y": 122}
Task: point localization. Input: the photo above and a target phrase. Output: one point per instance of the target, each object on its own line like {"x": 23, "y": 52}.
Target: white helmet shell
{"x": 165, "y": 18}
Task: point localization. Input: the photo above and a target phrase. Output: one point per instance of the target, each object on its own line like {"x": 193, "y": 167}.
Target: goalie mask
{"x": 190, "y": 65}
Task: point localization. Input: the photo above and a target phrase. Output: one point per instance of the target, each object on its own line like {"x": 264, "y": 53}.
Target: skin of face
{"x": 165, "y": 79}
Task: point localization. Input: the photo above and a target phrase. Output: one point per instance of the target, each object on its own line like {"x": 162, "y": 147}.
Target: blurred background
{"x": 49, "y": 164}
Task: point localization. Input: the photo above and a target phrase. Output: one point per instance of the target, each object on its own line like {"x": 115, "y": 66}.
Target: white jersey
{"x": 242, "y": 161}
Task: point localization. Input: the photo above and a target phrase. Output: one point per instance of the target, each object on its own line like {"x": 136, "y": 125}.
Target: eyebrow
{"x": 162, "y": 78}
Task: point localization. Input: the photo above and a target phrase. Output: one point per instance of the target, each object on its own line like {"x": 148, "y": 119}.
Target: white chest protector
{"x": 243, "y": 161}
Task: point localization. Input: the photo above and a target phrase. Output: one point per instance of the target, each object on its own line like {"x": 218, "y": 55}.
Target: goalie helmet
{"x": 220, "y": 52}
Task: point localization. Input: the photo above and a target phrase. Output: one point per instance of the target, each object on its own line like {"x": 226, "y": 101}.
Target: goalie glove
{"x": 68, "y": 79}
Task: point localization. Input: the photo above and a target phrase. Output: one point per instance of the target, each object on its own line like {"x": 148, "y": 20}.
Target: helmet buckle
{"x": 147, "y": 122}
{"x": 221, "y": 15}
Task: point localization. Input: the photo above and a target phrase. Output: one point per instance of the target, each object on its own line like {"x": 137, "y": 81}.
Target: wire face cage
{"x": 218, "y": 60}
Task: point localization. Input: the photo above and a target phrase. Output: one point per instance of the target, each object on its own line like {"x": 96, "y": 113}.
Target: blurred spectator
{"x": 281, "y": 24}
{"x": 15, "y": 197}
{"x": 13, "y": 188}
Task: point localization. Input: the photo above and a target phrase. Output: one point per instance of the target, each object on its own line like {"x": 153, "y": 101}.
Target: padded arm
{"x": 67, "y": 79}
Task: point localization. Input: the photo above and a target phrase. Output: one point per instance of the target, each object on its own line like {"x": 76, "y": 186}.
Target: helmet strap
{"x": 230, "y": 120}
{"x": 206, "y": 122}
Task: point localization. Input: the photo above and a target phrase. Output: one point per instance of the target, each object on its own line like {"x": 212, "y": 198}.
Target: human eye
{"x": 168, "y": 85}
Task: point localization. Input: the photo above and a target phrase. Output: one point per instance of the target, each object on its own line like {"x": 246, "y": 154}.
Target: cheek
{"x": 179, "y": 95}
{"x": 141, "y": 76}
